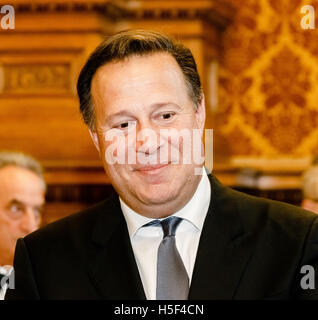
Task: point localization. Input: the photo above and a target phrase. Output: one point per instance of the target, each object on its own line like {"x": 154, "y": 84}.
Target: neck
{"x": 6, "y": 262}
{"x": 162, "y": 210}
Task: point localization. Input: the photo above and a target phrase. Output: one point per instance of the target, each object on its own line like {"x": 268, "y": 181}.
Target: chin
{"x": 158, "y": 194}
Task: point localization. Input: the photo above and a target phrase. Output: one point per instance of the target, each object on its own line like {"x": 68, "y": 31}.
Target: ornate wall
{"x": 268, "y": 85}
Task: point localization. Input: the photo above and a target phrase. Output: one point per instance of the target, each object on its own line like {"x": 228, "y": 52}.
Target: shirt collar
{"x": 194, "y": 211}
{"x": 5, "y": 270}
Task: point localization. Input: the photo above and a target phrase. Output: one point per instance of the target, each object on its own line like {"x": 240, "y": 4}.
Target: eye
{"x": 38, "y": 213}
{"x": 16, "y": 210}
{"x": 38, "y": 210}
{"x": 167, "y": 115}
{"x": 125, "y": 125}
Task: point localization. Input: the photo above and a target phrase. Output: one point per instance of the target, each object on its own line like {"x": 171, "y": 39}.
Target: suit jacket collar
{"x": 112, "y": 267}
{"x": 223, "y": 252}
{"x": 224, "y": 248}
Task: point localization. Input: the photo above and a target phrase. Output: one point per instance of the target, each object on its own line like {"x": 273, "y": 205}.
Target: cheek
{"x": 115, "y": 151}
{"x": 182, "y": 146}
{"x": 6, "y": 220}
{"x": 15, "y": 228}
{"x": 10, "y": 228}
{"x": 117, "y": 173}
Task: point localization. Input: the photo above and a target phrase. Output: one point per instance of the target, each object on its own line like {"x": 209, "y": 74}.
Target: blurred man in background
{"x": 22, "y": 191}
{"x": 310, "y": 188}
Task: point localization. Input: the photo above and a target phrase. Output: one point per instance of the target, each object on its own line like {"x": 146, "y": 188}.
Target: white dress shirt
{"x": 145, "y": 241}
{"x": 5, "y": 270}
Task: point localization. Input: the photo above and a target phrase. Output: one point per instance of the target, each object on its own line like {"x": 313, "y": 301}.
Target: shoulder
{"x": 275, "y": 218}
{"x": 74, "y": 229}
{"x": 259, "y": 214}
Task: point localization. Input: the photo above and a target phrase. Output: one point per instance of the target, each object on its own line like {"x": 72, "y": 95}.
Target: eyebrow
{"x": 16, "y": 201}
{"x": 152, "y": 107}
{"x": 163, "y": 104}
{"x": 119, "y": 114}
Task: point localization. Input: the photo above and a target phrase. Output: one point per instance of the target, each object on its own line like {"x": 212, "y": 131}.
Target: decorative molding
{"x": 291, "y": 196}
{"x": 79, "y": 193}
{"x": 217, "y": 11}
{"x": 59, "y": 6}
{"x": 220, "y": 13}
{"x": 36, "y": 78}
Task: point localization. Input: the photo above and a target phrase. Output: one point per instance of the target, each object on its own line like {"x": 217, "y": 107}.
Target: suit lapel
{"x": 224, "y": 248}
{"x": 223, "y": 253}
{"x": 112, "y": 268}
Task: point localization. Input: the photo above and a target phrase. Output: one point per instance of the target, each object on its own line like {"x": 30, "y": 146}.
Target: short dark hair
{"x": 131, "y": 43}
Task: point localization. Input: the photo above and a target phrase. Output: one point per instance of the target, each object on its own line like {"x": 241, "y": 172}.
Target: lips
{"x": 151, "y": 168}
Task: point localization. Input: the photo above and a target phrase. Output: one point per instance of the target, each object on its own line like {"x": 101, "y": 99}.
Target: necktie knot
{"x": 169, "y": 226}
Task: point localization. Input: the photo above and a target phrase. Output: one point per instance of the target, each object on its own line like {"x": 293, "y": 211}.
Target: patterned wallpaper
{"x": 268, "y": 90}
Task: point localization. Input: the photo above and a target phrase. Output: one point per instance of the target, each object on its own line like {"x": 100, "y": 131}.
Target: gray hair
{"x": 310, "y": 183}
{"x": 21, "y": 160}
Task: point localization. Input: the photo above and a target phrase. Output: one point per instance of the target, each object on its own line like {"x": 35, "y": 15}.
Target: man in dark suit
{"x": 22, "y": 195}
{"x": 172, "y": 231}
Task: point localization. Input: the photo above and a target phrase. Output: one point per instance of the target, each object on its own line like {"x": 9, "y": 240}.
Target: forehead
{"x": 136, "y": 76}
{"x": 15, "y": 181}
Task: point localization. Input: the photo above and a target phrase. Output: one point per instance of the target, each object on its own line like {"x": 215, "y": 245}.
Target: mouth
{"x": 152, "y": 169}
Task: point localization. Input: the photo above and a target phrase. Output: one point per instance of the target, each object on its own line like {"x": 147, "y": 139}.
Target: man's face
{"x": 310, "y": 205}
{"x": 21, "y": 202}
{"x": 147, "y": 92}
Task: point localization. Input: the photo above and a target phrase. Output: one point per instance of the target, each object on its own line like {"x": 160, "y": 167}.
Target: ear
{"x": 94, "y": 137}
{"x": 200, "y": 113}
{"x": 309, "y": 205}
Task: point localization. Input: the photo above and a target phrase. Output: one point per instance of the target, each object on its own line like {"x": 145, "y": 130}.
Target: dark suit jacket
{"x": 250, "y": 248}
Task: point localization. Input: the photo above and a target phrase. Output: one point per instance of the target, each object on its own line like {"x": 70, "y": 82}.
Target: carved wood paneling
{"x": 36, "y": 79}
{"x": 41, "y": 59}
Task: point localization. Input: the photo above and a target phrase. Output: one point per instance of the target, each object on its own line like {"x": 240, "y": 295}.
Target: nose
{"x": 29, "y": 221}
{"x": 147, "y": 139}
